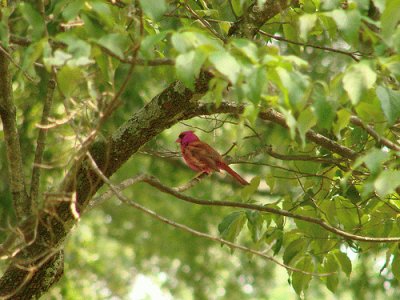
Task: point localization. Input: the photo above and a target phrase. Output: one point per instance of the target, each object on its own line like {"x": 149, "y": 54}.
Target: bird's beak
{"x": 178, "y": 141}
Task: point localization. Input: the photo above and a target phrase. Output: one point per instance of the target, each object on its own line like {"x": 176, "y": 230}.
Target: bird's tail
{"x": 235, "y": 175}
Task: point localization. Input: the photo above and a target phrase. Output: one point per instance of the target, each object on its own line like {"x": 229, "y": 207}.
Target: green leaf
{"x": 188, "y": 66}
{"x": 390, "y": 19}
{"x": 305, "y": 122}
{"x": 343, "y": 119}
{"x": 344, "y": 262}
{"x": 250, "y": 189}
{"x": 255, "y": 223}
{"x": 34, "y": 19}
{"x": 216, "y": 91}
{"x": 189, "y": 40}
{"x": 32, "y": 54}
{"x": 294, "y": 85}
{"x": 374, "y": 160}
{"x": 58, "y": 59}
{"x": 72, "y": 9}
{"x": 324, "y": 109}
{"x": 387, "y": 182}
{"x": 357, "y": 80}
{"x": 390, "y": 103}
{"x": 103, "y": 13}
{"x": 301, "y": 281}
{"x": 330, "y": 266}
{"x": 247, "y": 48}
{"x": 183, "y": 41}
{"x": 92, "y": 26}
{"x": 149, "y": 43}
{"x": 396, "y": 266}
{"x": 291, "y": 122}
{"x": 306, "y": 23}
{"x": 295, "y": 248}
{"x": 79, "y": 49}
{"x": 226, "y": 64}
{"x": 380, "y": 4}
{"x": 270, "y": 180}
{"x": 68, "y": 79}
{"x": 347, "y": 213}
{"x": 231, "y": 225}
{"x": 348, "y": 22}
{"x": 115, "y": 42}
{"x": 256, "y": 83}
{"x": 154, "y": 8}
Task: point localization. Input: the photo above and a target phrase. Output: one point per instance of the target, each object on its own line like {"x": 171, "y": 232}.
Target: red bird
{"x": 201, "y": 157}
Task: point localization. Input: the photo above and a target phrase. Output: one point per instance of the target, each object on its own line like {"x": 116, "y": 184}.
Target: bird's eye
{"x": 181, "y": 135}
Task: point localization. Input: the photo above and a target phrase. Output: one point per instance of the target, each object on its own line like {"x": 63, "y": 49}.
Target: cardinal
{"x": 201, "y": 157}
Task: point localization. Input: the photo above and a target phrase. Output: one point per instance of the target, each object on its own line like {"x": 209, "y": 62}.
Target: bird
{"x": 201, "y": 157}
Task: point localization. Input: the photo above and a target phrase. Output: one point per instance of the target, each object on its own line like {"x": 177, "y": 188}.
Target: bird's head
{"x": 187, "y": 137}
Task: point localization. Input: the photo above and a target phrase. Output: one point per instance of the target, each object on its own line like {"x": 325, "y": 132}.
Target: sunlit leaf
{"x": 114, "y": 42}
{"x": 188, "y": 66}
{"x": 226, "y": 64}
{"x": 390, "y": 103}
{"x": 386, "y": 182}
{"x": 305, "y": 122}
{"x": 357, "y": 80}
{"x": 390, "y": 19}
{"x": 154, "y": 8}
{"x": 307, "y": 22}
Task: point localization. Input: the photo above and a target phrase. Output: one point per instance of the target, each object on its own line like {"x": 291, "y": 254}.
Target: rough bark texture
{"x": 175, "y": 103}
{"x": 249, "y": 24}
{"x": 13, "y": 148}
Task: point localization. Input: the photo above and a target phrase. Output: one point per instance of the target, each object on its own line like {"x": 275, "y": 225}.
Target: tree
{"x": 304, "y": 92}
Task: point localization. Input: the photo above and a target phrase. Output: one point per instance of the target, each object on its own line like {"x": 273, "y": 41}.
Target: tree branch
{"x": 14, "y": 157}
{"x": 278, "y": 118}
{"x": 255, "y": 17}
{"x": 174, "y": 104}
{"x": 41, "y": 140}
{"x": 353, "y": 55}
{"x": 153, "y": 214}
{"x": 381, "y": 140}
{"x": 158, "y": 185}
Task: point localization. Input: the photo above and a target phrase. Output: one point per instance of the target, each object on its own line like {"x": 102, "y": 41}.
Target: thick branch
{"x": 13, "y": 148}
{"x": 381, "y": 140}
{"x": 276, "y": 117}
{"x": 174, "y": 104}
{"x": 255, "y": 17}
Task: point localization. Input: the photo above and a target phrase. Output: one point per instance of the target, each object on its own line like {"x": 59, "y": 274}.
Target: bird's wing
{"x": 203, "y": 154}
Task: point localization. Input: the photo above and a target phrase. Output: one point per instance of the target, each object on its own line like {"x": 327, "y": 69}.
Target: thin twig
{"x": 157, "y": 184}
{"x": 41, "y": 140}
{"x": 151, "y": 213}
{"x": 381, "y": 140}
{"x": 204, "y": 22}
{"x": 5, "y": 52}
{"x": 353, "y": 55}
{"x": 278, "y": 118}
{"x": 151, "y": 180}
